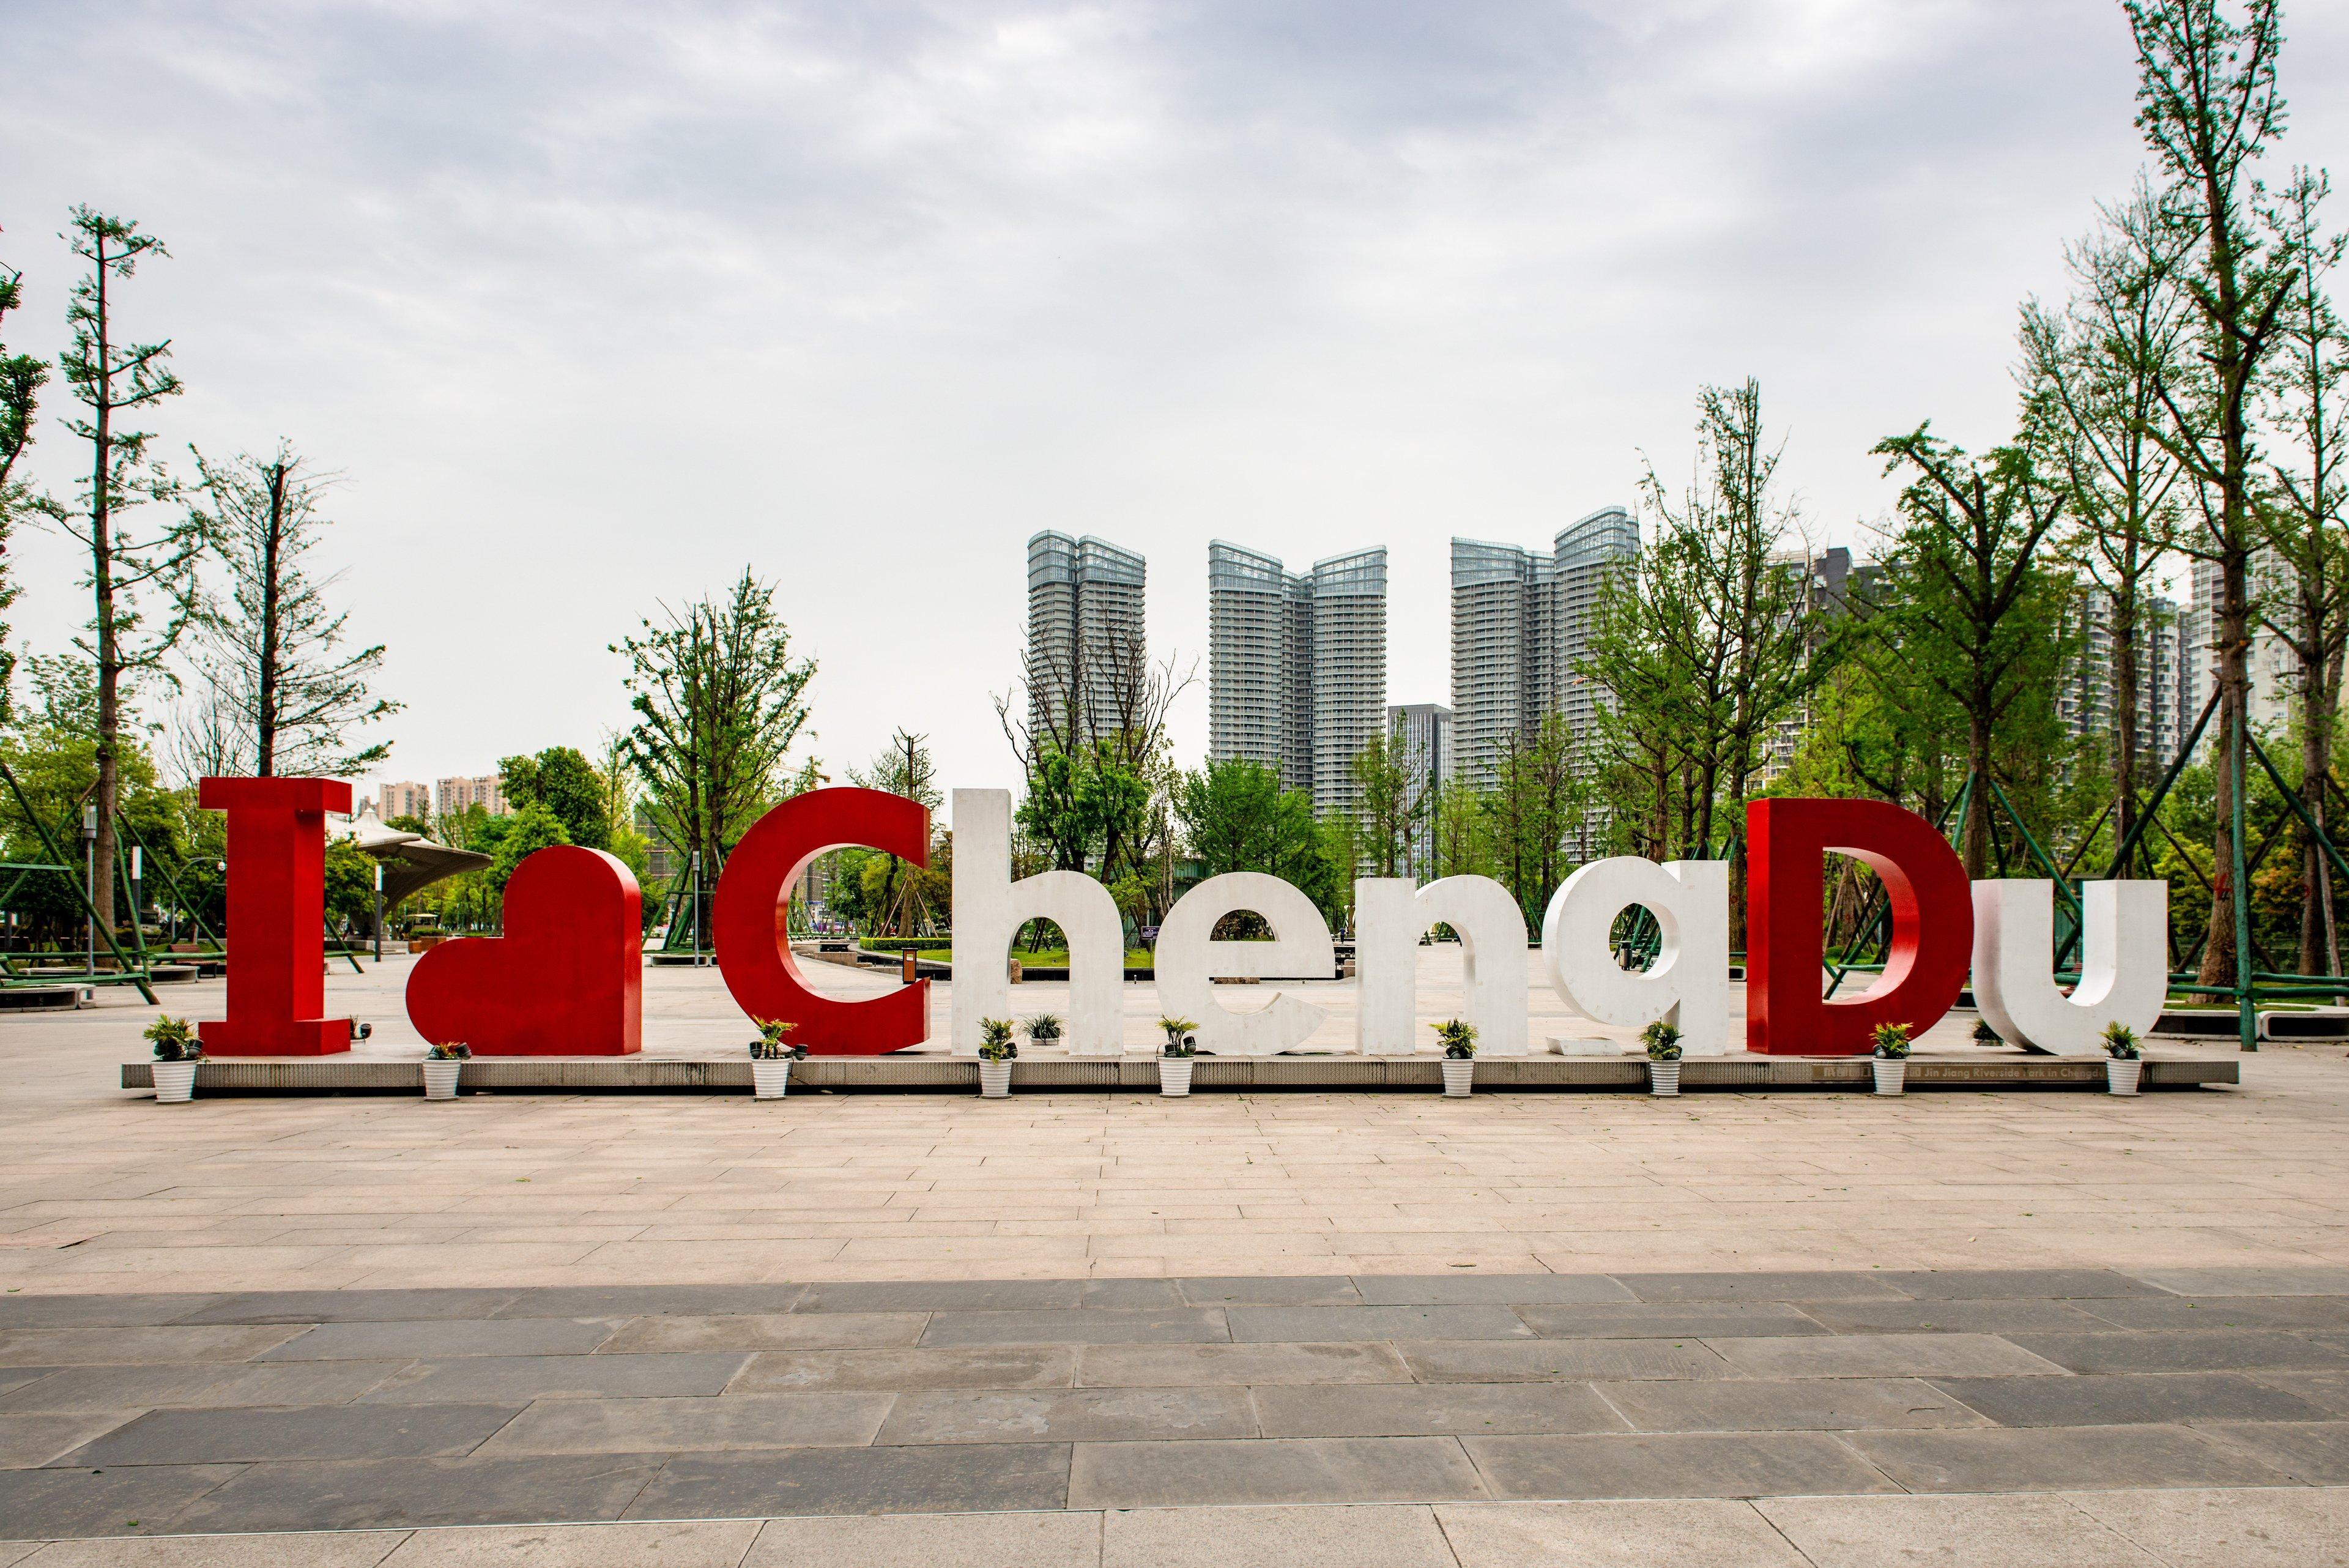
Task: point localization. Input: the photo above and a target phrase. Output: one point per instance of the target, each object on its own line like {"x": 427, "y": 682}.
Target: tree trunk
{"x": 101, "y": 572}
{"x": 266, "y": 708}
{"x": 1975, "y": 838}
{"x": 2233, "y": 647}
{"x": 2125, "y": 699}
{"x": 2317, "y": 954}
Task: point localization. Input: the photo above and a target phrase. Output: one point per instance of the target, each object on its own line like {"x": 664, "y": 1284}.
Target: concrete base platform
{"x": 947, "y": 1075}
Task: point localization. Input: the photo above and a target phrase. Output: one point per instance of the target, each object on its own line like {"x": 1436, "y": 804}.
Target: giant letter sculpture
{"x": 1933, "y": 924}
{"x": 567, "y": 979}
{"x": 1187, "y": 961}
{"x": 276, "y": 917}
{"x": 2124, "y": 963}
{"x": 1388, "y": 917}
{"x": 989, "y": 908}
{"x": 754, "y": 901}
{"x": 1687, "y": 986}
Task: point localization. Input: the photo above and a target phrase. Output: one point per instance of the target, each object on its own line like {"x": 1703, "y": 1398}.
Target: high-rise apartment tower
{"x": 1296, "y": 665}
{"x": 1087, "y": 644}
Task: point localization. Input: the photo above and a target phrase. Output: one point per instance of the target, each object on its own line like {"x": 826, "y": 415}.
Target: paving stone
{"x": 1412, "y": 1409}
{"x": 36, "y": 1439}
{"x": 1208, "y": 1366}
{"x": 1091, "y": 1415}
{"x": 435, "y": 1338}
{"x": 1984, "y": 1284}
{"x": 708, "y": 1422}
{"x": 1686, "y": 1320}
{"x": 2287, "y": 1281}
{"x": 1496, "y": 1290}
{"x": 2275, "y": 1527}
{"x": 767, "y": 1331}
{"x": 1369, "y": 1535}
{"x": 2329, "y": 1391}
{"x": 303, "y": 1432}
{"x": 2316, "y": 1452}
{"x": 1088, "y": 1325}
{"x": 2047, "y": 1458}
{"x": 1273, "y": 1290}
{"x": 99, "y": 1311}
{"x": 2214, "y": 1351}
{"x": 134, "y": 1346}
{"x": 1825, "y": 1285}
{"x": 2013, "y": 1316}
{"x": 940, "y": 1478}
{"x": 1608, "y": 1535}
{"x": 2212, "y": 1313}
{"x": 1008, "y": 1366}
{"x": 370, "y": 1494}
{"x": 2010, "y": 1531}
{"x": 43, "y": 1504}
{"x": 931, "y": 1541}
{"x": 1674, "y": 1464}
{"x": 701, "y": 1543}
{"x": 1882, "y": 1356}
{"x": 14, "y": 1377}
{"x": 325, "y": 1549}
{"x": 650, "y": 1300}
{"x": 351, "y": 1306}
{"x": 1802, "y": 1405}
{"x": 1358, "y": 1325}
{"x": 519, "y": 1379}
{"x": 944, "y": 1295}
{"x": 206, "y": 1384}
{"x": 2126, "y": 1399}
{"x": 1164, "y": 1296}
{"x": 1560, "y": 1360}
{"x": 1301, "y": 1471}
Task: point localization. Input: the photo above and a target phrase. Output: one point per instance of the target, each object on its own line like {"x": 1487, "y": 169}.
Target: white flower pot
{"x": 1174, "y": 1076}
{"x": 1663, "y": 1077}
{"x": 1459, "y": 1077}
{"x": 440, "y": 1079}
{"x": 175, "y": 1082}
{"x": 771, "y": 1078}
{"x": 1892, "y": 1074}
{"x": 994, "y": 1079}
{"x": 2121, "y": 1076}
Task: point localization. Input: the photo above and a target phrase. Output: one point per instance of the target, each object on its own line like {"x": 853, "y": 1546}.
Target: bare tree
{"x": 22, "y": 375}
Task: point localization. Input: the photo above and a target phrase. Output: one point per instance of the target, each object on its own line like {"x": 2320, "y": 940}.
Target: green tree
{"x": 528, "y": 831}
{"x": 1391, "y": 803}
{"x": 22, "y": 375}
{"x": 895, "y": 895}
{"x": 567, "y": 784}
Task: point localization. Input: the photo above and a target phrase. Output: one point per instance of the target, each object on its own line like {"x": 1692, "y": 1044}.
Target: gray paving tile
{"x": 2304, "y": 1281}
{"x": 36, "y": 1439}
{"x": 944, "y": 1295}
{"x": 1087, "y": 1326}
{"x": 1490, "y": 1290}
{"x": 1357, "y": 1324}
{"x": 436, "y": 1338}
{"x": 14, "y": 1377}
{"x": 351, "y": 1306}
{"x": 99, "y": 1311}
{"x": 769, "y": 1331}
{"x": 311, "y": 1549}
{"x": 44, "y": 1504}
{"x": 1686, "y": 1320}
{"x": 696, "y": 1543}
{"x": 1681, "y": 1534}
{"x": 519, "y": 1379}
{"x": 1982, "y": 1285}
{"x": 1671, "y": 1465}
{"x": 377, "y": 1494}
{"x": 2014, "y": 1315}
{"x": 2329, "y": 1391}
{"x": 940, "y": 1478}
{"x": 1560, "y": 1360}
{"x": 1883, "y": 1355}
{"x": 2220, "y": 1351}
{"x": 2127, "y": 1399}
{"x": 1006, "y": 1366}
{"x": 1271, "y": 1290}
{"x": 1801, "y": 1404}
{"x": 135, "y": 1345}
{"x": 2273, "y": 1527}
{"x": 1084, "y": 1414}
{"x": 1823, "y": 1286}
{"x": 303, "y": 1432}
{"x": 1414, "y": 1409}
{"x": 650, "y": 1300}
{"x": 702, "y": 1423}
{"x": 930, "y": 1541}
{"x": 2212, "y": 1313}
{"x": 2046, "y": 1459}
{"x": 2316, "y": 1452}
{"x": 1358, "y": 1535}
{"x": 1206, "y": 1365}
{"x": 1164, "y": 1296}
{"x": 2007, "y": 1530}
{"x": 1298, "y": 1470}
{"x": 202, "y": 1385}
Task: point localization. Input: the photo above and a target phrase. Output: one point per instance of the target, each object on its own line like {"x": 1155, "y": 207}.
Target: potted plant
{"x": 771, "y": 1059}
{"x": 177, "y": 1051}
{"x": 1663, "y": 1043}
{"x": 2123, "y": 1059}
{"x": 442, "y": 1064}
{"x": 1044, "y": 1029}
{"x": 1892, "y": 1062}
{"x": 1174, "y": 1060}
{"x": 996, "y": 1047}
{"x": 1458, "y": 1039}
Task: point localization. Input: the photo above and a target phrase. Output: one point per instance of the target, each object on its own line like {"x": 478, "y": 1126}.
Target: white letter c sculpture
{"x": 1188, "y": 960}
{"x": 1689, "y": 982}
{"x": 2124, "y": 963}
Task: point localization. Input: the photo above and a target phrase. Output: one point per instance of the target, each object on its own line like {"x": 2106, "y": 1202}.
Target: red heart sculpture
{"x": 566, "y": 979}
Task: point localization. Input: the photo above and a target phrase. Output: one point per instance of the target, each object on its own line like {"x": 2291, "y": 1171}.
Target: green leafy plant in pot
{"x": 1891, "y": 1064}
{"x": 1662, "y": 1041}
{"x": 1045, "y": 1029}
{"x": 2123, "y": 1059}
{"x": 1175, "y": 1058}
{"x": 998, "y": 1045}
{"x": 1458, "y": 1038}
{"x": 444, "y": 1063}
{"x": 176, "y": 1052}
{"x": 771, "y": 1057}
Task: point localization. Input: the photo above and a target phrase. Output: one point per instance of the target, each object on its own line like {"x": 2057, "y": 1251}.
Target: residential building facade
{"x": 409, "y": 799}
{"x": 1422, "y": 735}
{"x": 1087, "y": 639}
{"x": 1296, "y": 665}
{"x": 451, "y": 797}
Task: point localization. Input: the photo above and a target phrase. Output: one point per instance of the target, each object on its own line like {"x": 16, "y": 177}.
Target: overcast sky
{"x": 594, "y": 305}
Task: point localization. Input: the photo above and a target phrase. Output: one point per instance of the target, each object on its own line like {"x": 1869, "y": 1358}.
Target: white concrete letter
{"x": 1389, "y": 917}
{"x": 2124, "y": 962}
{"x": 1189, "y": 961}
{"x": 989, "y": 908}
{"x": 1689, "y": 982}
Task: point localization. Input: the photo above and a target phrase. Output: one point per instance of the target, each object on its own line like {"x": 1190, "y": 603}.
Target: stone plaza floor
{"x": 1108, "y": 1329}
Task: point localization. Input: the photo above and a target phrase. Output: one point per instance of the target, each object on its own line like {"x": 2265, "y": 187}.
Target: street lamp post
{"x": 378, "y": 911}
{"x": 89, "y": 882}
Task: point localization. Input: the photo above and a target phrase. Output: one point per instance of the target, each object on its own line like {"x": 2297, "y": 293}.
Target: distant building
{"x": 403, "y": 800}
{"x": 1087, "y": 643}
{"x": 2086, "y": 697}
{"x": 1423, "y": 737}
{"x": 452, "y": 797}
{"x": 1296, "y": 666}
{"x": 2270, "y": 660}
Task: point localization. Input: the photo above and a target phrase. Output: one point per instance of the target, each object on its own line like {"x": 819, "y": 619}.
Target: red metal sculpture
{"x": 747, "y": 919}
{"x": 276, "y": 917}
{"x": 1933, "y": 924}
{"x": 567, "y": 977}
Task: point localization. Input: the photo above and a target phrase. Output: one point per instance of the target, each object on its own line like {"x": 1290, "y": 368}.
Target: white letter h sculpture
{"x": 989, "y": 908}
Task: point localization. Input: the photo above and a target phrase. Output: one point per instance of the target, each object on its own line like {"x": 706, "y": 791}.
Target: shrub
{"x": 2120, "y": 1042}
{"x": 995, "y": 1042}
{"x": 1662, "y": 1041}
{"x": 1458, "y": 1039}
{"x": 1044, "y": 1029}
{"x": 770, "y": 1046}
{"x": 174, "y": 1040}
{"x": 1892, "y": 1041}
